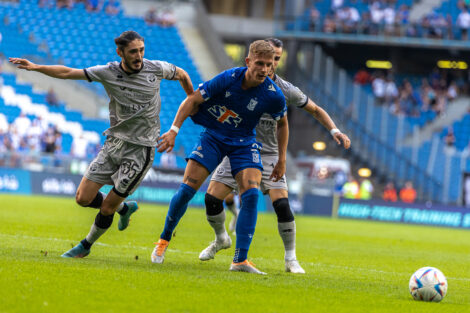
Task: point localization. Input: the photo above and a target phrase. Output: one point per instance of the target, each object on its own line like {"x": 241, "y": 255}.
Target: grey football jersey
{"x": 134, "y": 106}
{"x": 266, "y": 130}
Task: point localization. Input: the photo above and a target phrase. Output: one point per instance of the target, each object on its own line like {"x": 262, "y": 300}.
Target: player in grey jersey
{"x": 133, "y": 86}
{"x": 222, "y": 182}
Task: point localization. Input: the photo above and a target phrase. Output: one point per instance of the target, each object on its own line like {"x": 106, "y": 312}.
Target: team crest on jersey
{"x": 220, "y": 170}
{"x": 227, "y": 94}
{"x": 224, "y": 115}
{"x": 251, "y": 106}
{"x": 151, "y": 78}
{"x": 271, "y": 87}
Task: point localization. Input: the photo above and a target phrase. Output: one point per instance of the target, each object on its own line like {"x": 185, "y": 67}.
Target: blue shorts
{"x": 209, "y": 152}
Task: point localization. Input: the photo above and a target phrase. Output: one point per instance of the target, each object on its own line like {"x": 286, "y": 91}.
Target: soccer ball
{"x": 428, "y": 284}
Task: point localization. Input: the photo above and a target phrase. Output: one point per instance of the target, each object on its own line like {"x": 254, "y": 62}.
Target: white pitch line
{"x": 341, "y": 267}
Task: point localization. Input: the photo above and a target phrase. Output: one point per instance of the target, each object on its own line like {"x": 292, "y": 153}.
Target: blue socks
{"x": 178, "y": 206}
{"x": 246, "y": 224}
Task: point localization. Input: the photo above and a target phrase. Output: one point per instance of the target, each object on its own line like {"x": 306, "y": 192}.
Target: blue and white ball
{"x": 428, "y": 284}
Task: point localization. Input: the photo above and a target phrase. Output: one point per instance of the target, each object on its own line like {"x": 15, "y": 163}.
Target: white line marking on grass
{"x": 340, "y": 267}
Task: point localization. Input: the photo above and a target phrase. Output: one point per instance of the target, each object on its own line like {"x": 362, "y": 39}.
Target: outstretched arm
{"x": 184, "y": 80}
{"x": 56, "y": 71}
{"x": 324, "y": 118}
{"x": 282, "y": 140}
{"x": 166, "y": 142}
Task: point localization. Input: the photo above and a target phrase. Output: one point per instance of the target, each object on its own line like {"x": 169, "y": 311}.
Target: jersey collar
{"x": 131, "y": 73}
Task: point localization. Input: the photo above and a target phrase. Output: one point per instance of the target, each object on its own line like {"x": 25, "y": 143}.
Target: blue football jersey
{"x": 231, "y": 113}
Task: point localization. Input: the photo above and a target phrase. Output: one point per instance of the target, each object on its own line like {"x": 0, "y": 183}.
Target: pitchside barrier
{"x": 378, "y": 210}
{"x": 158, "y": 186}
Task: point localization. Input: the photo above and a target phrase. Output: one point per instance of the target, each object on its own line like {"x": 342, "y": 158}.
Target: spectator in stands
{"x": 390, "y": 193}
{"x": 352, "y": 20}
{"x": 167, "y": 18}
{"x": 79, "y": 147}
{"x": 389, "y": 16}
{"x": 427, "y": 95}
{"x": 329, "y": 24}
{"x": 449, "y": 138}
{"x": 112, "y": 8}
{"x": 151, "y": 17}
{"x": 390, "y": 90}
{"x": 376, "y": 15}
{"x": 362, "y": 77}
{"x": 3, "y": 123}
{"x": 51, "y": 98}
{"x": 378, "y": 87}
{"x": 351, "y": 189}
{"x": 365, "y": 189}
{"x": 48, "y": 4}
{"x": 408, "y": 193}
{"x": 453, "y": 90}
{"x": 50, "y": 140}
{"x": 463, "y": 23}
{"x": 64, "y": 4}
{"x": 336, "y": 4}
{"x": 94, "y": 5}
{"x": 22, "y": 124}
{"x": 315, "y": 19}
{"x": 365, "y": 25}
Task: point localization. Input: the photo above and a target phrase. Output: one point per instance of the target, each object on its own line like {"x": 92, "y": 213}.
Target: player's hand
{"x": 23, "y": 63}
{"x": 342, "y": 138}
{"x": 166, "y": 142}
{"x": 278, "y": 171}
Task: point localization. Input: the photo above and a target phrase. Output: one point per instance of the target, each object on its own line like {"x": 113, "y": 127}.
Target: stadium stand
{"x": 77, "y": 38}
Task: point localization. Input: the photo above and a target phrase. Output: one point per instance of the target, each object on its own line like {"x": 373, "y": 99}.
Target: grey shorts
{"x": 121, "y": 164}
{"x": 223, "y": 174}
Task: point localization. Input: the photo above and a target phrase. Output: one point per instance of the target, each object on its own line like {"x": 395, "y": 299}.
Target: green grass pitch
{"x": 352, "y": 266}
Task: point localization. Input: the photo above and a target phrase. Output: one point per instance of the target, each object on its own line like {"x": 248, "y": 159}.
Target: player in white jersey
{"x": 133, "y": 86}
{"x": 222, "y": 182}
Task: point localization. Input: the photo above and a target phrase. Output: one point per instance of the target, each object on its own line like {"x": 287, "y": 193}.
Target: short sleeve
{"x": 296, "y": 97}
{"x": 96, "y": 73}
{"x": 217, "y": 84}
{"x": 280, "y": 106}
{"x": 164, "y": 70}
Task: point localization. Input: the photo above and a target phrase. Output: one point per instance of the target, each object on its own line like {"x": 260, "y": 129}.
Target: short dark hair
{"x": 275, "y": 42}
{"x": 126, "y": 37}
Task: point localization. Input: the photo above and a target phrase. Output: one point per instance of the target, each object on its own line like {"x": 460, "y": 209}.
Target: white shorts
{"x": 121, "y": 164}
{"x": 223, "y": 174}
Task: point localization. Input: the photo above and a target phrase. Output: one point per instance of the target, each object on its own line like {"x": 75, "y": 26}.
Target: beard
{"x": 131, "y": 65}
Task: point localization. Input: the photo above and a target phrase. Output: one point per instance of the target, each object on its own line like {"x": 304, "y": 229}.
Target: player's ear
{"x": 119, "y": 52}
{"x": 247, "y": 61}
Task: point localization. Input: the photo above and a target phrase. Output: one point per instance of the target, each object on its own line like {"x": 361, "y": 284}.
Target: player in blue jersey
{"x": 229, "y": 107}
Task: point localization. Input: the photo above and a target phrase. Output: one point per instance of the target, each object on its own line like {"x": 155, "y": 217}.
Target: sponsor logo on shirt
{"x": 224, "y": 115}
{"x": 272, "y": 88}
{"x": 251, "y": 106}
{"x": 199, "y": 154}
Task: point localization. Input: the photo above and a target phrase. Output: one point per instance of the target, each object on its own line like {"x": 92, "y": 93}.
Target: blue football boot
{"x": 78, "y": 251}
{"x": 124, "y": 219}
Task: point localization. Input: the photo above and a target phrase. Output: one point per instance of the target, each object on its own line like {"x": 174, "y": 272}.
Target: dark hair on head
{"x": 126, "y": 37}
{"x": 275, "y": 42}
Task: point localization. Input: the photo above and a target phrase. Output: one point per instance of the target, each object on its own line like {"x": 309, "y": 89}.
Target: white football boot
{"x": 214, "y": 247}
{"x": 293, "y": 266}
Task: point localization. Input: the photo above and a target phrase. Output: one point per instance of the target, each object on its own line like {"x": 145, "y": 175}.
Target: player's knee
{"x": 214, "y": 206}
{"x": 283, "y": 211}
{"x": 229, "y": 199}
{"x": 82, "y": 199}
{"x": 107, "y": 210}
